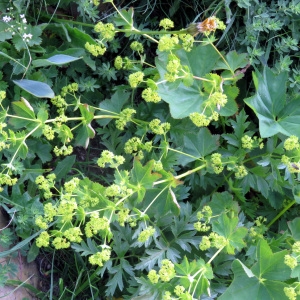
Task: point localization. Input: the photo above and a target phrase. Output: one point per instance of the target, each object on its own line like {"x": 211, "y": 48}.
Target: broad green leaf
{"x": 228, "y": 227}
{"x": 246, "y": 286}
{"x": 33, "y": 252}
{"x": 64, "y": 166}
{"x": 185, "y": 100}
{"x": 35, "y": 88}
{"x": 78, "y": 37}
{"x": 194, "y": 275}
{"x": 294, "y": 227}
{"x": 59, "y": 59}
{"x": 269, "y": 104}
{"x": 223, "y": 202}
{"x": 84, "y": 134}
{"x": 23, "y": 109}
{"x": 234, "y": 61}
{"x": 198, "y": 145}
{"x": 270, "y": 266}
{"x": 143, "y": 177}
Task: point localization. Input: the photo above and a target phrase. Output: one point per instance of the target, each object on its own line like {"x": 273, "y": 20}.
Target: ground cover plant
{"x": 148, "y": 154}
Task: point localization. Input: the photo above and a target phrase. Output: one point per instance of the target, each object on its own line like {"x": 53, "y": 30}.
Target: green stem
{"x": 281, "y": 213}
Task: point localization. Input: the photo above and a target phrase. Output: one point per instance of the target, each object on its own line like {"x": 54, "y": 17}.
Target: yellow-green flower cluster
{"x": 6, "y": 179}
{"x": 135, "y": 79}
{"x": 71, "y": 185}
{"x": 73, "y": 234}
{"x": 167, "y": 43}
{"x": 95, "y": 224}
{"x": 200, "y": 120}
{"x": 166, "y": 24}
{"x": 173, "y": 65}
{"x": 247, "y": 142}
{"x": 107, "y": 31}
{"x": 43, "y": 239}
{"x": 116, "y": 190}
{"x": 157, "y": 166}
{"x": 2, "y": 95}
{"x": 291, "y": 293}
{"x": 240, "y": 172}
{"x": 100, "y": 257}
{"x": 149, "y": 95}
{"x": 59, "y": 101}
{"x": 187, "y": 41}
{"x": 179, "y": 290}
{"x": 118, "y": 63}
{"x": 218, "y": 99}
{"x": 46, "y": 184}
{"x": 124, "y": 117}
{"x": 135, "y": 144}
{"x": 123, "y": 216}
{"x": 290, "y": 261}
{"x": 213, "y": 240}
{"x": 60, "y": 243}
{"x": 107, "y": 157}
{"x": 70, "y": 88}
{"x": 146, "y": 234}
{"x": 167, "y": 270}
{"x": 136, "y": 46}
{"x": 217, "y": 163}
{"x": 153, "y": 276}
{"x": 64, "y": 150}
{"x": 203, "y": 217}
{"x": 159, "y": 128}
{"x": 95, "y": 50}
{"x": 48, "y": 132}
{"x": 291, "y": 143}
{"x": 66, "y": 209}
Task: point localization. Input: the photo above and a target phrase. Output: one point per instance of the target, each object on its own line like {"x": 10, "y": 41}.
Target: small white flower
{"x": 6, "y": 19}
{"x": 24, "y": 21}
{"x": 22, "y": 16}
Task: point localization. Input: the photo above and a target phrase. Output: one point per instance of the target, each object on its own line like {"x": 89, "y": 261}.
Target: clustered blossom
{"x": 217, "y": 163}
{"x": 203, "y": 217}
{"x": 200, "y": 120}
{"x": 95, "y": 224}
{"x": 107, "y": 31}
{"x": 135, "y": 145}
{"x": 247, "y": 142}
{"x": 107, "y": 157}
{"x": 167, "y": 43}
{"x": 95, "y": 50}
{"x": 240, "y": 172}
{"x": 146, "y": 234}
{"x": 291, "y": 143}
{"x": 290, "y": 293}
{"x": 290, "y": 261}
{"x": 100, "y": 257}
{"x": 125, "y": 116}
{"x": 48, "y": 132}
{"x": 70, "y": 88}
{"x": 135, "y": 79}
{"x": 166, "y": 24}
{"x": 159, "y": 128}
{"x": 187, "y": 41}
{"x": 213, "y": 240}
{"x": 115, "y": 190}
{"x": 136, "y": 46}
{"x": 64, "y": 150}
{"x": 149, "y": 95}
{"x": 218, "y": 99}
{"x": 46, "y": 184}
{"x": 165, "y": 274}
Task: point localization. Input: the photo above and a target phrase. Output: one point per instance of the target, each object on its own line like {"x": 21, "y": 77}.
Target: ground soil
{"x": 26, "y": 272}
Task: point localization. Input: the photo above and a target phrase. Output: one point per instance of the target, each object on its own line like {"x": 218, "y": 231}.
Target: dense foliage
{"x": 140, "y": 156}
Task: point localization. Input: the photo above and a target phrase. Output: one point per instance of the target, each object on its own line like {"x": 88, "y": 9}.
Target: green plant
{"x": 189, "y": 195}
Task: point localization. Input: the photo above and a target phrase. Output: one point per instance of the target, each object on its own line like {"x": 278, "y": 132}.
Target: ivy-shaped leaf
{"x": 270, "y": 106}
{"x": 143, "y": 178}
{"x": 265, "y": 280}
{"x": 228, "y": 227}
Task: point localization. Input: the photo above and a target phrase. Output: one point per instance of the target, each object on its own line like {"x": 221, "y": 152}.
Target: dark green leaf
{"x": 36, "y": 88}
{"x": 64, "y": 166}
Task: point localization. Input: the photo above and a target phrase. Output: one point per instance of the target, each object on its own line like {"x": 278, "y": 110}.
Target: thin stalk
{"x": 281, "y": 213}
